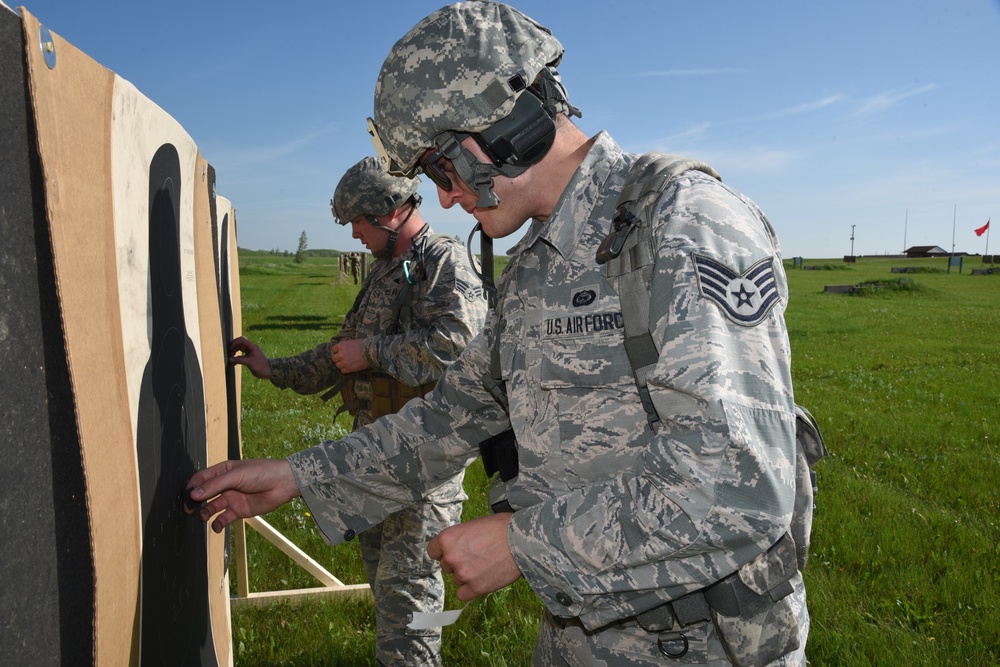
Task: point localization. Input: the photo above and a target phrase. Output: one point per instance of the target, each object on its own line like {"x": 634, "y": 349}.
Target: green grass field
{"x": 903, "y": 379}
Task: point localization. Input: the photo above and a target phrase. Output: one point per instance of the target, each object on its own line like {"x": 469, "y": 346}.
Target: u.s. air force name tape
{"x": 427, "y": 620}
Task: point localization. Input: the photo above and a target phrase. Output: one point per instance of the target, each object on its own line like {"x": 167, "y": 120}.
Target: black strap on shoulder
{"x": 486, "y": 272}
{"x": 628, "y": 260}
{"x": 646, "y": 180}
{"x": 413, "y": 273}
{"x": 628, "y": 253}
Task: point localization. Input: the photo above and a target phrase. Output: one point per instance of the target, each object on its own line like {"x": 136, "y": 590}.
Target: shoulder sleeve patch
{"x": 745, "y": 298}
{"x": 468, "y": 290}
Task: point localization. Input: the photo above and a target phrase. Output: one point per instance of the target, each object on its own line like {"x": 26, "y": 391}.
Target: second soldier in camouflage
{"x": 418, "y": 308}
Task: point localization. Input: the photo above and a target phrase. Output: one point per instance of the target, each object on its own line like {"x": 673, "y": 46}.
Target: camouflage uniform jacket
{"x": 442, "y": 313}
{"x": 611, "y": 519}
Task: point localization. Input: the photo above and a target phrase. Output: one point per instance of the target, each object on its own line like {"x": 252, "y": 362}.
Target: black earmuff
{"x": 523, "y": 137}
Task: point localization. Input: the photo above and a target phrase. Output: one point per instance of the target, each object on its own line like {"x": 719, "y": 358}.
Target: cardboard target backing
{"x": 45, "y": 560}
{"x": 143, "y": 295}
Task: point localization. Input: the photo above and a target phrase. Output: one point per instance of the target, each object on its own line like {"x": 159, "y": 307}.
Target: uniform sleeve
{"x": 307, "y": 373}
{"x": 449, "y": 311}
{"x": 715, "y": 487}
{"x": 354, "y": 483}
{"x": 313, "y": 371}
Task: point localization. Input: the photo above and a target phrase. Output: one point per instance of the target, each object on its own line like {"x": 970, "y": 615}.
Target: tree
{"x": 300, "y": 254}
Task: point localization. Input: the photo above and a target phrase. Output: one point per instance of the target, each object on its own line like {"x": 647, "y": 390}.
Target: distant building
{"x": 926, "y": 251}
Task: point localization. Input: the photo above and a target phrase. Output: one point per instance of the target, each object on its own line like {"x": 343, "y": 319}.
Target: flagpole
{"x": 906, "y": 220}
{"x": 954, "y": 218}
{"x": 985, "y": 229}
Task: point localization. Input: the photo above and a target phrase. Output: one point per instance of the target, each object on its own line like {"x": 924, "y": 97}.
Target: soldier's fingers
{"x": 434, "y": 549}
{"x": 212, "y": 508}
{"x": 465, "y": 593}
{"x": 245, "y": 347}
{"x": 211, "y": 481}
{"x": 224, "y": 520}
{"x": 200, "y": 477}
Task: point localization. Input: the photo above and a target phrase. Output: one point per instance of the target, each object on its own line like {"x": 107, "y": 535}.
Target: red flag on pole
{"x": 982, "y": 230}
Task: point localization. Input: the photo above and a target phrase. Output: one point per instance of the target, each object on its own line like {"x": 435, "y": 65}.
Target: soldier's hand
{"x": 349, "y": 356}
{"x": 476, "y": 555}
{"x": 240, "y": 489}
{"x": 244, "y": 351}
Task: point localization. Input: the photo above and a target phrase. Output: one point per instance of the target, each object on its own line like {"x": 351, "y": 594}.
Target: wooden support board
{"x": 332, "y": 587}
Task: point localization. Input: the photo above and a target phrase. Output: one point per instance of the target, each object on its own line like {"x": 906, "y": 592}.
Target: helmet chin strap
{"x": 479, "y": 175}
{"x": 390, "y": 245}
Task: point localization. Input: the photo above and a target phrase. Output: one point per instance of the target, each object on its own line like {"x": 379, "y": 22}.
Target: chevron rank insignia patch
{"x": 468, "y": 290}
{"x": 745, "y": 298}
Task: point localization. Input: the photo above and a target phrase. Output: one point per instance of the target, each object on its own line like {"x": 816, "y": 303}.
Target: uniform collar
{"x": 411, "y": 251}
{"x": 599, "y": 176}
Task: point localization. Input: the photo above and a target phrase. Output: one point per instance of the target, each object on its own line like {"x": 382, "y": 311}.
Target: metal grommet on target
{"x": 674, "y": 645}
{"x": 48, "y": 46}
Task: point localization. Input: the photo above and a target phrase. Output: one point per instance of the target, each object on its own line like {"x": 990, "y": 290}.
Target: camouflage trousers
{"x": 565, "y": 643}
{"x": 404, "y": 579}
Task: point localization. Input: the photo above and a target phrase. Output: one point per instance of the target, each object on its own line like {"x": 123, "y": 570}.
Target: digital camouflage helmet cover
{"x": 367, "y": 190}
{"x": 460, "y": 72}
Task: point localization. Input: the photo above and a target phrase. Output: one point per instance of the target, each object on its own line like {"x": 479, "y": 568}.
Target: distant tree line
{"x": 312, "y": 252}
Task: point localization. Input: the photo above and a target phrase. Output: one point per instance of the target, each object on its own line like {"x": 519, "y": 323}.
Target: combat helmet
{"x": 480, "y": 69}
{"x": 367, "y": 190}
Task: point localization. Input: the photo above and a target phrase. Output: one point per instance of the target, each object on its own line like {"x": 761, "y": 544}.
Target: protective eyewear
{"x": 448, "y": 149}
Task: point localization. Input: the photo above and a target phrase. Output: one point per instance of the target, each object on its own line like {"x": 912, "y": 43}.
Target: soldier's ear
{"x": 397, "y": 218}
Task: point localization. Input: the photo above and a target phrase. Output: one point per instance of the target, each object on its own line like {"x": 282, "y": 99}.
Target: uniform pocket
{"x": 596, "y": 358}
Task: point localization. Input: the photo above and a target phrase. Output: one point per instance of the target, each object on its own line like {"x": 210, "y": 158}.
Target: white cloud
{"x": 244, "y": 157}
{"x": 810, "y": 106}
{"x": 890, "y": 98}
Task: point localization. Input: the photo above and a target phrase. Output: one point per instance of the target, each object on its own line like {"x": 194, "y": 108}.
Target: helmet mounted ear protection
{"x": 460, "y": 69}
{"x": 524, "y": 136}
{"x": 512, "y": 144}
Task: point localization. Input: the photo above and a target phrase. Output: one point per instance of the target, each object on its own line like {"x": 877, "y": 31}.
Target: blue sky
{"x": 877, "y": 114}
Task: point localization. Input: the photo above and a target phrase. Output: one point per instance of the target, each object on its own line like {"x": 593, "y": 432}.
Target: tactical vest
{"x": 389, "y": 395}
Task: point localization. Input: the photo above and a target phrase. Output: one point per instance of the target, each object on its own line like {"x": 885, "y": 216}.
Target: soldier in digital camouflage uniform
{"x": 392, "y": 347}
{"x": 630, "y": 538}
{"x": 355, "y": 261}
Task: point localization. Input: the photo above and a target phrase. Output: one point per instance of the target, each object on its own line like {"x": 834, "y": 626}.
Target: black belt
{"x": 728, "y": 597}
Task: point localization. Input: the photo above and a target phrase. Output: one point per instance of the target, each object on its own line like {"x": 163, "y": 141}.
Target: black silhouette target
{"x": 223, "y": 284}
{"x": 220, "y": 257}
{"x": 225, "y": 294}
{"x": 171, "y": 445}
